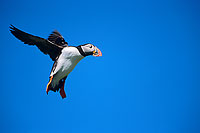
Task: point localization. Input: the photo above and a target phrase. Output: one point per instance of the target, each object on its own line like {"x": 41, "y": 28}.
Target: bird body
{"x": 66, "y": 62}
{"x": 65, "y": 57}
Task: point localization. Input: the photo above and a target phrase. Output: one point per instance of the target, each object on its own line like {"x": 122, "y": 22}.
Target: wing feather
{"x": 46, "y": 46}
{"x": 57, "y": 38}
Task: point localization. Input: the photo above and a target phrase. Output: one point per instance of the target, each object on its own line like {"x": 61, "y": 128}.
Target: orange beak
{"x": 97, "y": 52}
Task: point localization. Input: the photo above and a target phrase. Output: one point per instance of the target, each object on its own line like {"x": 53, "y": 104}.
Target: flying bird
{"x": 65, "y": 57}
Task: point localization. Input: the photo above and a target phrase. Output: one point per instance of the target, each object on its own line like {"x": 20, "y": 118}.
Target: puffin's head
{"x": 89, "y": 49}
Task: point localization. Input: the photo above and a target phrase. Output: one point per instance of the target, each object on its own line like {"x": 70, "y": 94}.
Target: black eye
{"x": 91, "y": 46}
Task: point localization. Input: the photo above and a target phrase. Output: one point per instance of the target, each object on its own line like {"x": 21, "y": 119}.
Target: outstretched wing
{"x": 46, "y": 46}
{"x": 57, "y": 38}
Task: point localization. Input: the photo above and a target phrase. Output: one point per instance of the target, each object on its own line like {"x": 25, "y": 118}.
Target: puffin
{"x": 65, "y": 57}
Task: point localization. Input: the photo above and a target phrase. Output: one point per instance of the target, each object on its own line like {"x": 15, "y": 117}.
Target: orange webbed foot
{"x": 48, "y": 87}
{"x": 62, "y": 91}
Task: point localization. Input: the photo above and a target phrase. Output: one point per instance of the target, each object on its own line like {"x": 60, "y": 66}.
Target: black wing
{"x": 57, "y": 38}
{"x": 47, "y": 47}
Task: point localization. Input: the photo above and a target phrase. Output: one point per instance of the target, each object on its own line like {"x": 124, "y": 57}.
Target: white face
{"x": 88, "y": 48}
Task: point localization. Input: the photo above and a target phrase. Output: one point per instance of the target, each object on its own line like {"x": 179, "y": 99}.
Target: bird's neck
{"x": 81, "y": 51}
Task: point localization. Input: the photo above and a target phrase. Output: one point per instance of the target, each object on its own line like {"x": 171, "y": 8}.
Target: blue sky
{"x": 147, "y": 80}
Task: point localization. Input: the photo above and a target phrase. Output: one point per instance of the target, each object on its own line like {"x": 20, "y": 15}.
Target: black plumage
{"x": 46, "y": 46}
{"x": 57, "y": 38}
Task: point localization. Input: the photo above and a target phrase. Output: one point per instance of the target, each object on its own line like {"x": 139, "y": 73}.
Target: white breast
{"x": 66, "y": 62}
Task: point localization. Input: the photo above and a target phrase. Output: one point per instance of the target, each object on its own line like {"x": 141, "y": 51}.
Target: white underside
{"x": 68, "y": 59}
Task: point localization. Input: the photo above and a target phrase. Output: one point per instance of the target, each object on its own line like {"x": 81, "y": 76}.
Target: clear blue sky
{"x": 147, "y": 80}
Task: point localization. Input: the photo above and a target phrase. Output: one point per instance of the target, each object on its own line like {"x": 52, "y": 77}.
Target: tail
{"x": 58, "y": 87}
